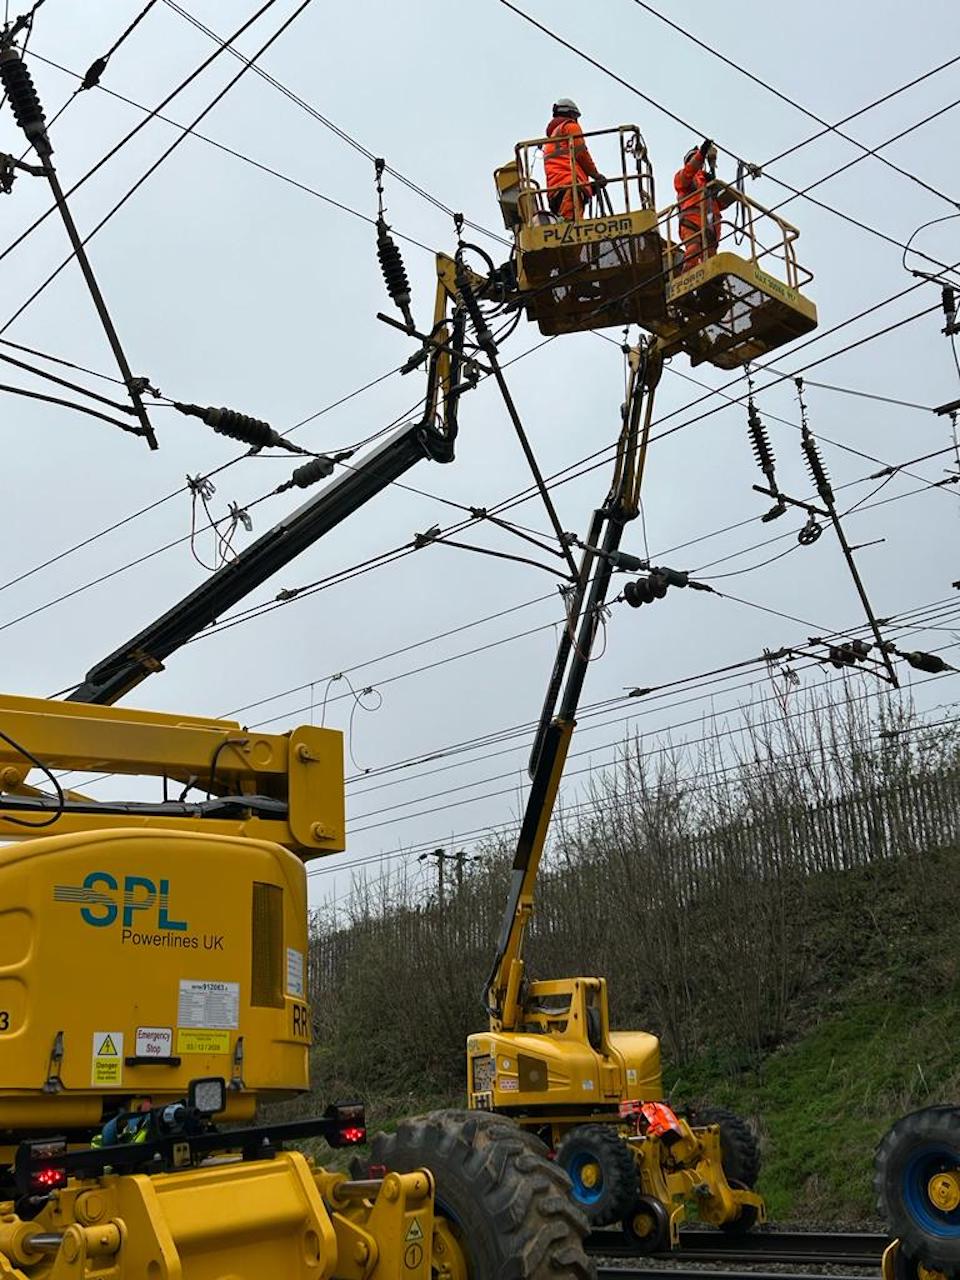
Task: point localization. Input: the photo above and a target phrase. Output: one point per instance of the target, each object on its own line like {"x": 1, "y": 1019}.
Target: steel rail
{"x": 805, "y": 1247}
{"x": 671, "y": 1273}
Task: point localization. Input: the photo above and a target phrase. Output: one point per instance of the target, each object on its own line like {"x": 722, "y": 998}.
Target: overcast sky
{"x": 231, "y": 286}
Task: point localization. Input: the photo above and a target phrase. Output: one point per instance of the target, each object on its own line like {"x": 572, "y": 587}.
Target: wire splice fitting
{"x": 238, "y": 426}
{"x": 394, "y": 272}
{"x": 816, "y": 468}
{"x": 94, "y": 72}
{"x": 317, "y": 468}
{"x": 931, "y": 663}
{"x": 27, "y": 110}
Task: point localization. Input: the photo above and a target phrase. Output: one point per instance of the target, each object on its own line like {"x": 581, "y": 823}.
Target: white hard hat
{"x": 565, "y": 107}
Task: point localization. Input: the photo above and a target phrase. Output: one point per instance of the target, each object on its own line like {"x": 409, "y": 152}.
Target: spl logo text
{"x": 102, "y": 901}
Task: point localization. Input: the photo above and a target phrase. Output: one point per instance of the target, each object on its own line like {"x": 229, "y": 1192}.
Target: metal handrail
{"x": 783, "y": 249}
{"x": 638, "y": 178}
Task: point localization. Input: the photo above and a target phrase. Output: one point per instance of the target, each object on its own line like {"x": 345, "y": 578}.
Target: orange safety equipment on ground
{"x": 700, "y": 220}
{"x": 566, "y": 159}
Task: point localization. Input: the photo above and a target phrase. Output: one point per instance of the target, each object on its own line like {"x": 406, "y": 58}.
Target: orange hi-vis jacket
{"x": 562, "y": 167}
{"x": 699, "y": 240}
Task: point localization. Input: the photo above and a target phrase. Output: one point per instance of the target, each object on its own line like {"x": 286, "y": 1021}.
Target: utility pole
{"x": 442, "y": 857}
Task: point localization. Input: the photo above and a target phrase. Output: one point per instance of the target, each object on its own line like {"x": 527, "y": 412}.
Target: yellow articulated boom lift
{"x": 153, "y": 990}
{"x": 153, "y": 982}
{"x": 550, "y": 1060}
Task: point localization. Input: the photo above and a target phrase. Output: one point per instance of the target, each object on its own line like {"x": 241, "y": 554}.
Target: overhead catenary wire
{"x": 333, "y": 127}
{"x": 693, "y": 131}
{"x": 487, "y": 831}
{"x": 798, "y": 106}
{"x": 70, "y": 404}
{"x": 152, "y": 506}
{"x": 615, "y": 745}
{"x": 680, "y": 692}
{"x": 231, "y": 151}
{"x": 922, "y": 618}
{"x": 432, "y": 639}
{"x": 404, "y": 549}
{"x": 218, "y": 97}
{"x": 135, "y": 130}
{"x": 909, "y": 84}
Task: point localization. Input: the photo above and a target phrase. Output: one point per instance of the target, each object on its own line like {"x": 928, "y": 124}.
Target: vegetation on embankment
{"x": 782, "y": 915}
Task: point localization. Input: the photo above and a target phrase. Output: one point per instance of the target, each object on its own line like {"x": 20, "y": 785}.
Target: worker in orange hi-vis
{"x": 699, "y": 207}
{"x": 571, "y": 173}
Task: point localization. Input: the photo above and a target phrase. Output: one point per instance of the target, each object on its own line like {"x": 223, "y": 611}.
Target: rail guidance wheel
{"x": 503, "y": 1208}
{"x": 917, "y": 1181}
{"x": 647, "y": 1226}
{"x": 602, "y": 1171}
{"x": 746, "y": 1219}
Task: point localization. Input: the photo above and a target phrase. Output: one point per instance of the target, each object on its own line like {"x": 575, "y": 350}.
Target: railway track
{"x": 809, "y": 1248}
{"x": 655, "y": 1273}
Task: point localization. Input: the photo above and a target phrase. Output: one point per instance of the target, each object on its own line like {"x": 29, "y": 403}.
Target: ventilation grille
{"x": 266, "y": 978}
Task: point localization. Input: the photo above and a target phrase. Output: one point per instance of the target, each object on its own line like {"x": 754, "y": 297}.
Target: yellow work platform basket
{"x": 733, "y": 291}
{"x": 603, "y": 266}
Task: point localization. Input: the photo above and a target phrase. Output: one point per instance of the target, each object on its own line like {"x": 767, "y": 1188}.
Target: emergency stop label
{"x": 107, "y": 1059}
{"x": 154, "y": 1042}
{"x": 209, "y": 1005}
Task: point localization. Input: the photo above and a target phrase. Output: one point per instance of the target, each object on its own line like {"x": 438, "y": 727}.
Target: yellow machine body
{"x": 564, "y": 1062}
{"x": 591, "y": 271}
{"x": 242, "y": 1220}
{"x": 146, "y": 944}
{"x": 132, "y": 962}
{"x": 727, "y": 302}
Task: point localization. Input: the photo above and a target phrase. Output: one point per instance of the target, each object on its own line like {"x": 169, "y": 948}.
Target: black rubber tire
{"x": 739, "y": 1150}
{"x": 509, "y": 1202}
{"x": 934, "y": 1242}
{"x": 905, "y": 1268}
{"x": 620, "y": 1185}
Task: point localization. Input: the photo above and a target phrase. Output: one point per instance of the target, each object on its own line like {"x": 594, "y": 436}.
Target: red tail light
{"x": 48, "y": 1179}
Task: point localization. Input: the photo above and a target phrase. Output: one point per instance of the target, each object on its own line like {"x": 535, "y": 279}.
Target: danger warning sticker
{"x": 107, "y": 1059}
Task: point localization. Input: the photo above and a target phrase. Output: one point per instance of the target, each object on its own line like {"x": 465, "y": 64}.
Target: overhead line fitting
{"x": 763, "y": 451}
{"x": 99, "y": 65}
{"x": 240, "y": 426}
{"x": 25, "y": 103}
{"x": 849, "y": 653}
{"x": 389, "y": 255}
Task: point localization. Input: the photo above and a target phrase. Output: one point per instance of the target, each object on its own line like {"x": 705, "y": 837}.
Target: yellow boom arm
{"x": 504, "y": 992}
{"x": 286, "y": 788}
